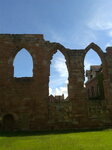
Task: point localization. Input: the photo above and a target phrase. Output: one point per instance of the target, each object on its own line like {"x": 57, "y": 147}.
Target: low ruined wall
{"x": 60, "y": 111}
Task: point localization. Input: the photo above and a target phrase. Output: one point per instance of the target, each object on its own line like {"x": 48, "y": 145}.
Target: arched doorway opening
{"x": 93, "y": 76}
{"x": 58, "y": 85}
{"x": 8, "y": 122}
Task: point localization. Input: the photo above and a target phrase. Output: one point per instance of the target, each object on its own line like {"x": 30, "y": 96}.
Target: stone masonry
{"x": 25, "y": 103}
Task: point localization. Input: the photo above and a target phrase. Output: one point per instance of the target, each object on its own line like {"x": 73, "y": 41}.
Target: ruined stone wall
{"x": 27, "y": 99}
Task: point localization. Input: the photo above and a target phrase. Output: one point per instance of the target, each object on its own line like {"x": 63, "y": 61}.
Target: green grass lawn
{"x": 95, "y": 140}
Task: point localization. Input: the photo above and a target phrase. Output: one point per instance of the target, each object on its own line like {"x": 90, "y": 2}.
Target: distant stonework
{"x": 25, "y": 103}
{"x": 94, "y": 84}
{"x": 93, "y": 72}
{"x": 56, "y": 98}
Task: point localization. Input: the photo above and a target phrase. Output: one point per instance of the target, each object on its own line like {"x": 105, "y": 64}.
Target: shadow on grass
{"x": 39, "y": 133}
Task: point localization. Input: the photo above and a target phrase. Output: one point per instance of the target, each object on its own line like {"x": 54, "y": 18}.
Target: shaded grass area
{"x": 91, "y": 140}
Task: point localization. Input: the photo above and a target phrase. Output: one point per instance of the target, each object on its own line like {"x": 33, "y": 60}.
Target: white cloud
{"x": 87, "y": 65}
{"x": 101, "y": 19}
{"x": 57, "y": 81}
{"x": 60, "y": 91}
{"x": 109, "y": 44}
{"x": 60, "y": 67}
{"x": 50, "y": 91}
{"x": 100, "y": 23}
{"x": 59, "y": 77}
{"x": 59, "y": 72}
{"x": 110, "y": 33}
{"x": 83, "y": 37}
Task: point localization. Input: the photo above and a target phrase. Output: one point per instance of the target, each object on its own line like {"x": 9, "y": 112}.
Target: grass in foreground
{"x": 97, "y": 140}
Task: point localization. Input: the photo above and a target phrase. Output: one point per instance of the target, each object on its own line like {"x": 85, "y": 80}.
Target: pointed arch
{"x": 58, "y": 47}
{"x": 100, "y": 53}
{"x": 94, "y": 73}
{"x": 23, "y": 64}
{"x": 97, "y": 49}
{"x": 58, "y": 75}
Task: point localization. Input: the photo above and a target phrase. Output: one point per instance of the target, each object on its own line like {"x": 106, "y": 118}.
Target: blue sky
{"x": 73, "y": 23}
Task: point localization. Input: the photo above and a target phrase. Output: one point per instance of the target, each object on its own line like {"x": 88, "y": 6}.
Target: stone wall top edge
{"x": 77, "y": 50}
{"x": 39, "y": 36}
